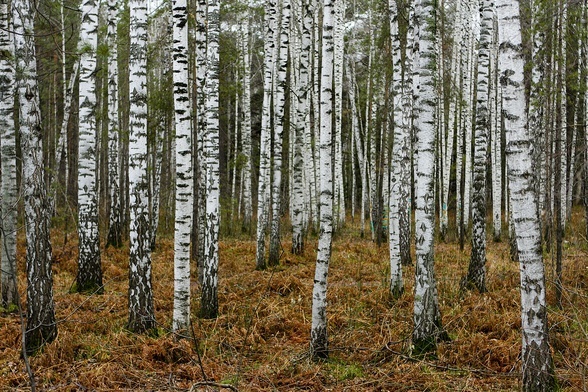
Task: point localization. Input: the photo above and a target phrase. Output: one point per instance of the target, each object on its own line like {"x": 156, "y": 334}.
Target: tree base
{"x": 37, "y": 338}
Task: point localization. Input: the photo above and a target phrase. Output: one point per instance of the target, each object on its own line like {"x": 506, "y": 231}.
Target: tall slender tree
{"x": 537, "y": 366}
{"x": 200, "y": 125}
{"x": 41, "y": 326}
{"x": 279, "y": 122}
{"x": 401, "y": 136}
{"x": 476, "y": 276}
{"x": 184, "y": 191}
{"x": 427, "y": 317}
{"x": 8, "y": 211}
{"x": 209, "y": 301}
{"x": 246, "y": 124}
{"x": 141, "y": 311}
{"x": 319, "y": 346}
{"x": 263, "y": 190}
{"x": 114, "y": 223}
{"x": 89, "y": 277}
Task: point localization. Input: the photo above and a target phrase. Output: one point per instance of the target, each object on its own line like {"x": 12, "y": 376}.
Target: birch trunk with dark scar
{"x": 401, "y": 136}
{"x": 537, "y": 365}
{"x": 184, "y": 190}
{"x": 280, "y": 120}
{"x": 89, "y": 276}
{"x": 141, "y": 311}
{"x": 200, "y": 48}
{"x": 476, "y": 276}
{"x": 319, "y": 348}
{"x": 209, "y": 299}
{"x": 426, "y": 316}
{"x": 246, "y": 126}
{"x": 8, "y": 211}
{"x": 41, "y": 325}
{"x": 263, "y": 193}
{"x": 114, "y": 227}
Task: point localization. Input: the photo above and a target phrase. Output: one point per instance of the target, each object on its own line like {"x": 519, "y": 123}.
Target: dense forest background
{"x": 187, "y": 171}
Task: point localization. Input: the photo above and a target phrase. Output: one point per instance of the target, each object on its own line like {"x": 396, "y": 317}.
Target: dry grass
{"x": 260, "y": 339}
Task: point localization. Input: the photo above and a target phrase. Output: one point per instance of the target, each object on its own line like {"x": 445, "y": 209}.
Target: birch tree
{"x": 339, "y": 193}
{"x": 537, "y": 366}
{"x": 405, "y": 206}
{"x": 201, "y": 64}
{"x": 141, "y": 311}
{"x": 8, "y": 212}
{"x": 41, "y": 325}
{"x": 263, "y": 189}
{"x": 184, "y": 191}
{"x": 427, "y": 317}
{"x": 319, "y": 348}
{"x": 114, "y": 223}
{"x": 476, "y": 276}
{"x": 209, "y": 300}
{"x": 89, "y": 276}
{"x": 300, "y": 164}
{"x": 246, "y": 124}
{"x": 280, "y": 120}
{"x": 401, "y": 135}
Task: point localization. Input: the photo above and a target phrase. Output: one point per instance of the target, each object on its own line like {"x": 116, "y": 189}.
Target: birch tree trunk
{"x": 280, "y": 120}
{"x": 401, "y": 135}
{"x": 8, "y": 212}
{"x": 184, "y": 190}
{"x": 302, "y": 123}
{"x": 319, "y": 348}
{"x": 427, "y": 317}
{"x": 89, "y": 276}
{"x": 537, "y": 366}
{"x": 209, "y": 301}
{"x": 246, "y": 127}
{"x": 263, "y": 193}
{"x": 496, "y": 136}
{"x": 114, "y": 228}
{"x": 476, "y": 277}
{"x": 407, "y": 118}
{"x": 201, "y": 74}
{"x": 339, "y": 192}
{"x": 141, "y": 311}
{"x": 41, "y": 325}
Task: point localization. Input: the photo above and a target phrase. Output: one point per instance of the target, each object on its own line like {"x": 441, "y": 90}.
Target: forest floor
{"x": 260, "y": 341}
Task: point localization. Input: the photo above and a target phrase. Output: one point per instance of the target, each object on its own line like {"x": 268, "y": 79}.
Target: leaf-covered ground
{"x": 260, "y": 340}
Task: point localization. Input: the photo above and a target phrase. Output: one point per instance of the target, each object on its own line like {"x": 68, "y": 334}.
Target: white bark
{"x": 41, "y": 325}
{"x": 263, "y": 191}
{"x": 246, "y": 126}
{"x": 141, "y": 311}
{"x": 453, "y": 122}
{"x": 427, "y": 320}
{"x": 318, "y": 334}
{"x": 339, "y": 195}
{"x": 114, "y": 227}
{"x": 476, "y": 277}
{"x": 89, "y": 276}
{"x": 279, "y": 121}
{"x": 8, "y": 212}
{"x": 563, "y": 127}
{"x": 536, "y": 356}
{"x": 495, "y": 137}
{"x": 302, "y": 124}
{"x": 209, "y": 301}
{"x": 401, "y": 135}
{"x": 184, "y": 191}
{"x": 200, "y": 48}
